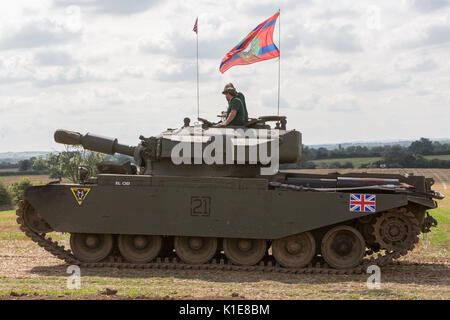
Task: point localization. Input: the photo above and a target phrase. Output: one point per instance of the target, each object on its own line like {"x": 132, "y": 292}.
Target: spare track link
{"x": 173, "y": 263}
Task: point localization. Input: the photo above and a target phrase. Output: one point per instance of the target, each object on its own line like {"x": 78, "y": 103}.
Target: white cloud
{"x": 314, "y": 66}
{"x": 15, "y": 69}
{"x": 435, "y": 34}
{"x": 341, "y": 103}
{"x": 420, "y": 32}
{"x": 64, "y": 76}
{"x": 53, "y": 58}
{"x": 329, "y": 14}
{"x": 158, "y": 43}
{"x": 125, "y": 68}
{"x": 38, "y": 34}
{"x": 130, "y": 71}
{"x": 378, "y": 82}
{"x": 416, "y": 63}
{"x": 118, "y": 7}
{"x": 335, "y": 37}
{"x": 429, "y": 5}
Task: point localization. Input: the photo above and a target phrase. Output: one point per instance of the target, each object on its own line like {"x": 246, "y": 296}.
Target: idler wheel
{"x": 90, "y": 247}
{"x": 246, "y": 252}
{"x": 139, "y": 248}
{"x": 295, "y": 251}
{"x": 343, "y": 247}
{"x": 34, "y": 221}
{"x": 195, "y": 250}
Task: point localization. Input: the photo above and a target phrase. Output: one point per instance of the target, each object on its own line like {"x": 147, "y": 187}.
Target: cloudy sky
{"x": 350, "y": 70}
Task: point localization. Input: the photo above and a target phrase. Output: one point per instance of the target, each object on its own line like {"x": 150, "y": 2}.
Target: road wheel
{"x": 244, "y": 252}
{"x": 195, "y": 250}
{"x": 139, "y": 248}
{"x": 295, "y": 251}
{"x": 343, "y": 247}
{"x": 88, "y": 247}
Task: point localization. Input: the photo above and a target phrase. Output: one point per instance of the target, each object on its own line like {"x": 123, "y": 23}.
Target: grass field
{"x": 36, "y": 179}
{"x": 440, "y": 157}
{"x": 29, "y": 272}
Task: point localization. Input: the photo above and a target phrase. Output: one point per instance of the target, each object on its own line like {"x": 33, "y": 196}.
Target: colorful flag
{"x": 195, "y": 26}
{"x": 256, "y": 46}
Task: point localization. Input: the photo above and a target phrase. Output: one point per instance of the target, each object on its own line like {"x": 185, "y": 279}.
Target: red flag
{"x": 255, "y": 47}
{"x": 195, "y": 26}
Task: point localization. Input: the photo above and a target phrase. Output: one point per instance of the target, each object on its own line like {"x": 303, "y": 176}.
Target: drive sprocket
{"x": 396, "y": 230}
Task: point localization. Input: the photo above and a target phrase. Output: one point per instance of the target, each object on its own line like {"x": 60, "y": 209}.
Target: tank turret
{"x": 204, "y": 149}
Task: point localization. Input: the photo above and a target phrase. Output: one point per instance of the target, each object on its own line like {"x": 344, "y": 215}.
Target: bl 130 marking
{"x": 200, "y": 206}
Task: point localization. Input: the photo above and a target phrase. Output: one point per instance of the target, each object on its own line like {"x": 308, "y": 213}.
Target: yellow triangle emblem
{"x": 80, "y": 194}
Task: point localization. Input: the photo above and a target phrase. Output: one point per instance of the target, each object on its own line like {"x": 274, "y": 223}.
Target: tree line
{"x": 396, "y": 156}
{"x": 58, "y": 166}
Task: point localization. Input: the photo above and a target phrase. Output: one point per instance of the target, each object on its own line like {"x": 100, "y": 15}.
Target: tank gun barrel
{"x": 93, "y": 142}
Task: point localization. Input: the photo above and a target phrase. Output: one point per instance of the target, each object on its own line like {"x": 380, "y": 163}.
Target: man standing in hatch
{"x": 235, "y": 114}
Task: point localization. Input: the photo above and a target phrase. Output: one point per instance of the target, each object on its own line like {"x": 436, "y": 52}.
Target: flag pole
{"x": 198, "y": 95}
{"x": 279, "y": 58}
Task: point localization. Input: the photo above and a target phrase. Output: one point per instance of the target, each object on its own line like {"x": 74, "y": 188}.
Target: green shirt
{"x": 241, "y": 97}
{"x": 239, "y": 119}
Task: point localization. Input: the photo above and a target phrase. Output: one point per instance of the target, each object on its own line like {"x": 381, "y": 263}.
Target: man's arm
{"x": 230, "y": 118}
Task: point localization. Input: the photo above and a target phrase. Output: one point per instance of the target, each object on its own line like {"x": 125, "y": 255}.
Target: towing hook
{"x": 428, "y": 223}
{"x": 438, "y": 195}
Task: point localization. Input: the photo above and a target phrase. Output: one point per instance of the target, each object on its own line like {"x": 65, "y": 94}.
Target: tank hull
{"x": 183, "y": 206}
{"x": 175, "y": 208}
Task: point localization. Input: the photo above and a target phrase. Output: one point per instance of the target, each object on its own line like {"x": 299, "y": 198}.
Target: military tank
{"x": 204, "y": 197}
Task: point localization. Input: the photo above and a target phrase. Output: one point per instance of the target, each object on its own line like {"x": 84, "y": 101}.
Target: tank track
{"x": 267, "y": 265}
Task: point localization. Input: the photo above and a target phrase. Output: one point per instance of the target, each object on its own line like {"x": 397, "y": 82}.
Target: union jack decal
{"x": 362, "y": 202}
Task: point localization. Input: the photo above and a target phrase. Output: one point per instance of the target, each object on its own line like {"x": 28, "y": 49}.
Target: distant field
{"x": 35, "y": 179}
{"x": 9, "y": 170}
{"x": 440, "y": 157}
{"x": 365, "y": 160}
{"x": 355, "y": 161}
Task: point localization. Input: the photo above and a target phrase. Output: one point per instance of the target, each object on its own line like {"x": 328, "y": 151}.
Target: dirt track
{"x": 28, "y": 272}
